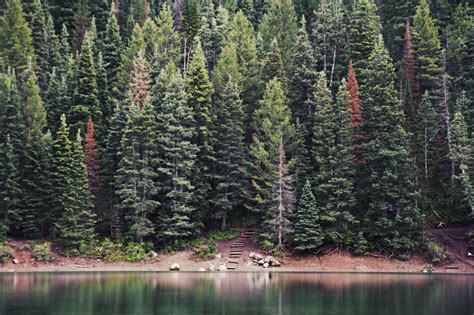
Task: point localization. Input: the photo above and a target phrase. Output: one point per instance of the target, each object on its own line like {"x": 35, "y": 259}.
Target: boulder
{"x": 212, "y": 267}
{"x": 153, "y": 254}
{"x": 219, "y": 256}
{"x": 269, "y": 259}
{"x": 201, "y": 270}
{"x": 222, "y": 267}
{"x": 252, "y": 255}
{"x": 261, "y": 262}
{"x": 15, "y": 261}
{"x": 174, "y": 267}
{"x": 266, "y": 265}
{"x": 276, "y": 263}
{"x": 258, "y": 256}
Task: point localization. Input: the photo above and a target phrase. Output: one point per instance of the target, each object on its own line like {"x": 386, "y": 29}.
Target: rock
{"x": 261, "y": 262}
{"x": 201, "y": 270}
{"x": 252, "y": 255}
{"x": 212, "y": 267}
{"x": 258, "y": 256}
{"x": 174, "y": 267}
{"x": 219, "y": 256}
{"x": 276, "y": 263}
{"x": 222, "y": 267}
{"x": 266, "y": 265}
{"x": 15, "y": 261}
{"x": 153, "y": 254}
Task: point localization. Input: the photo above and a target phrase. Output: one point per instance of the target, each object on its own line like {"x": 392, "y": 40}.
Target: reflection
{"x": 234, "y": 293}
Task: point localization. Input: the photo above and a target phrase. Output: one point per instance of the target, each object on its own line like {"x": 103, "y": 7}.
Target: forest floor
{"x": 329, "y": 260}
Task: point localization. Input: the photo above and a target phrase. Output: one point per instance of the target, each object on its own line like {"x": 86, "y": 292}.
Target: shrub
{"x": 223, "y": 235}
{"x": 361, "y": 246}
{"x": 207, "y": 251}
{"x": 268, "y": 246}
{"x": 436, "y": 251}
{"x": 116, "y": 251}
{"x": 42, "y": 252}
{"x": 5, "y": 253}
{"x": 134, "y": 252}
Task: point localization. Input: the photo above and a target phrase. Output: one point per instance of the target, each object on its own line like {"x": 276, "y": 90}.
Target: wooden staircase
{"x": 236, "y": 248}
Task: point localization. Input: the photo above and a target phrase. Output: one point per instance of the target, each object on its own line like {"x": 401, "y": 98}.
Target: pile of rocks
{"x": 268, "y": 261}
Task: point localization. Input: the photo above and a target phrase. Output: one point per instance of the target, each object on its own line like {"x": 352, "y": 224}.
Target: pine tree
{"x": 211, "y": 34}
{"x": 363, "y": 32}
{"x": 167, "y": 47}
{"x": 10, "y": 192}
{"x": 389, "y": 172}
{"x": 426, "y": 49}
{"x": 273, "y": 66}
{"x": 227, "y": 67}
{"x": 463, "y": 203}
{"x": 16, "y": 48}
{"x": 57, "y": 99}
{"x": 304, "y": 77}
{"x": 136, "y": 175}
{"x": 230, "y": 152}
{"x": 40, "y": 44}
{"x": 177, "y": 154}
{"x": 410, "y": 85}
{"x": 189, "y": 28}
{"x": 353, "y": 90}
{"x": 13, "y": 119}
{"x": 308, "y": 234}
{"x": 302, "y": 168}
{"x": 112, "y": 52}
{"x": 93, "y": 162}
{"x": 103, "y": 93}
{"x": 199, "y": 92}
{"x": 280, "y": 23}
{"x": 272, "y": 122}
{"x": 277, "y": 221}
{"x": 332, "y": 152}
{"x": 100, "y": 10}
{"x": 86, "y": 94}
{"x": 329, "y": 33}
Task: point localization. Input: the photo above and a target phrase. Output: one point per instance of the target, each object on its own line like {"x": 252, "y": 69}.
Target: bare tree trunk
{"x": 446, "y": 117}
{"x": 333, "y": 66}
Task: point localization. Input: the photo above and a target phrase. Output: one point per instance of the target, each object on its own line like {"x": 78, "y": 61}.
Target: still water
{"x": 235, "y": 293}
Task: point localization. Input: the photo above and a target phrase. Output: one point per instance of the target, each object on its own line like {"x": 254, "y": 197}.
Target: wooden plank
{"x": 232, "y": 267}
{"x": 233, "y": 261}
{"x": 452, "y": 267}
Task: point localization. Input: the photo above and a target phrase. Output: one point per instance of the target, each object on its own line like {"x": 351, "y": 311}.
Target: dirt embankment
{"x": 452, "y": 239}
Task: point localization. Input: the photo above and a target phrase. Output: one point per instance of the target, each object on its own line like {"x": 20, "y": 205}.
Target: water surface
{"x": 235, "y": 293}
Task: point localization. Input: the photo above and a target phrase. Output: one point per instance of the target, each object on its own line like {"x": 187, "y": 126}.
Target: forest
{"x": 340, "y": 122}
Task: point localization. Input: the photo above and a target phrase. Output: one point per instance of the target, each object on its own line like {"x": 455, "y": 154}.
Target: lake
{"x": 235, "y": 293}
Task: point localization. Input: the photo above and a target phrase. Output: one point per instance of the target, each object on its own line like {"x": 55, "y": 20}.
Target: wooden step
{"x": 235, "y": 256}
{"x": 233, "y": 261}
{"x": 452, "y": 267}
{"x": 231, "y": 267}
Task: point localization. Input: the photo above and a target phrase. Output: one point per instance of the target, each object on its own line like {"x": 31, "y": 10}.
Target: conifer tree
{"x": 177, "y": 154}
{"x": 86, "y": 95}
{"x": 302, "y": 168}
{"x": 409, "y": 71}
{"x": 230, "y": 152}
{"x": 273, "y": 66}
{"x": 136, "y": 175}
{"x": 304, "y": 77}
{"x": 308, "y": 234}
{"x": 426, "y": 49}
{"x": 10, "y": 192}
{"x": 103, "y": 93}
{"x": 277, "y": 220}
{"x": 93, "y": 162}
{"x": 199, "y": 92}
{"x": 57, "y": 99}
{"x": 40, "y": 44}
{"x": 389, "y": 171}
{"x": 364, "y": 29}
{"x": 272, "y": 122}
{"x": 189, "y": 27}
{"x": 211, "y": 35}
{"x": 227, "y": 67}
{"x": 13, "y": 119}
{"x": 329, "y": 33}
{"x": 100, "y": 10}
{"x": 16, "y": 48}
{"x": 280, "y": 23}
{"x": 112, "y": 52}
{"x": 167, "y": 47}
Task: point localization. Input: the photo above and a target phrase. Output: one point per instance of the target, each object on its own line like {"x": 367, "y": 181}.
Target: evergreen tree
{"x": 280, "y": 23}
{"x": 389, "y": 180}
{"x": 330, "y": 32}
{"x": 302, "y": 168}
{"x": 40, "y": 44}
{"x": 273, "y": 66}
{"x": 211, "y": 34}
{"x": 410, "y": 87}
{"x": 100, "y": 10}
{"x": 86, "y": 95}
{"x": 227, "y": 67}
{"x": 304, "y": 77}
{"x": 16, "y": 48}
{"x": 230, "y": 152}
{"x": 103, "y": 93}
{"x": 426, "y": 49}
{"x": 272, "y": 122}
{"x": 189, "y": 27}
{"x": 167, "y": 47}
{"x": 136, "y": 175}
{"x": 13, "y": 119}
{"x": 199, "y": 91}
{"x": 10, "y": 192}
{"x": 277, "y": 221}
{"x": 93, "y": 162}
{"x": 308, "y": 234}
{"x": 57, "y": 98}
{"x": 112, "y": 52}
{"x": 177, "y": 154}
{"x": 363, "y": 32}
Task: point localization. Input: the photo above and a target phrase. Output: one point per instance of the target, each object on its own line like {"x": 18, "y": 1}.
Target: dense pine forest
{"x": 340, "y": 122}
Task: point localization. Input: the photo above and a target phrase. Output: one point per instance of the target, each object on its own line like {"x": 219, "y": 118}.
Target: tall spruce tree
{"x": 389, "y": 171}
{"x": 199, "y": 92}
{"x": 93, "y": 163}
{"x": 112, "y": 50}
{"x": 177, "y": 155}
{"x": 136, "y": 176}
{"x": 167, "y": 47}
{"x": 230, "y": 152}
{"x": 308, "y": 234}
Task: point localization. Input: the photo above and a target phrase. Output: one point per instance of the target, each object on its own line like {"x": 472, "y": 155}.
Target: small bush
{"x": 116, "y": 251}
{"x": 361, "y": 246}
{"x": 168, "y": 250}
{"x": 223, "y": 235}
{"x": 436, "y": 251}
{"x": 268, "y": 246}
{"x": 42, "y": 252}
{"x": 5, "y": 253}
{"x": 470, "y": 238}
{"x": 134, "y": 252}
{"x": 207, "y": 251}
